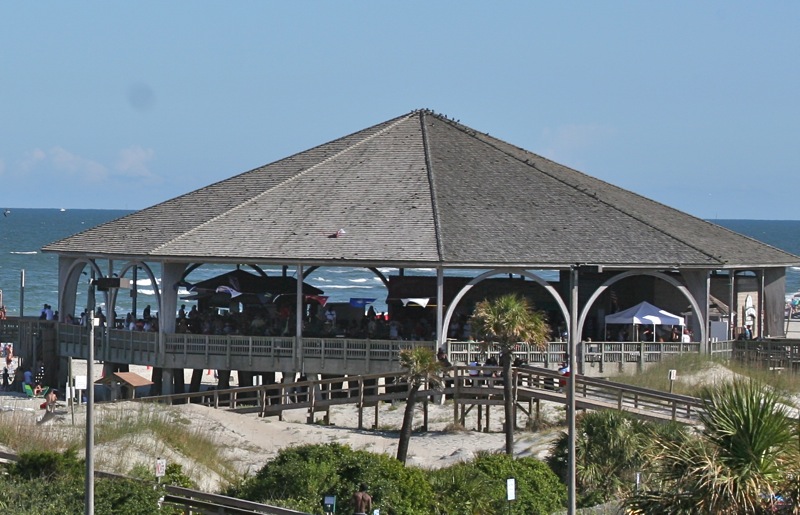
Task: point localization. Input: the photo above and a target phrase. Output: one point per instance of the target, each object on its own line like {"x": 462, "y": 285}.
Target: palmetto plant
{"x": 743, "y": 460}
{"x": 506, "y": 321}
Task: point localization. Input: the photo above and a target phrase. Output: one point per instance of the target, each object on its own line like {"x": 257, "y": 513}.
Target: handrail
{"x": 354, "y": 356}
{"x": 466, "y": 384}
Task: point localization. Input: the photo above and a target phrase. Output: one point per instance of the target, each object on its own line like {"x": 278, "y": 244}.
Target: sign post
{"x": 329, "y": 504}
{"x": 673, "y": 374}
{"x": 161, "y": 468}
{"x": 511, "y": 491}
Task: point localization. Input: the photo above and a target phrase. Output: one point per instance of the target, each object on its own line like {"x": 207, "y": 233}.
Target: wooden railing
{"x": 352, "y": 356}
{"x": 467, "y": 386}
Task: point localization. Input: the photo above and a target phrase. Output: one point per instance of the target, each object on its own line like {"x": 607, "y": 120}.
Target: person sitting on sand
{"x": 51, "y": 400}
{"x": 37, "y": 390}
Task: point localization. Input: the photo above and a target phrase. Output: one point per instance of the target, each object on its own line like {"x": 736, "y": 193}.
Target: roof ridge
{"x": 467, "y": 130}
{"x": 290, "y": 179}
{"x": 432, "y": 185}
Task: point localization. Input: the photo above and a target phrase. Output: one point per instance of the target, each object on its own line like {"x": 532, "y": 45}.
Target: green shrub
{"x": 46, "y": 482}
{"x": 538, "y": 490}
{"x": 47, "y": 465}
{"x": 65, "y": 495}
{"x": 300, "y": 477}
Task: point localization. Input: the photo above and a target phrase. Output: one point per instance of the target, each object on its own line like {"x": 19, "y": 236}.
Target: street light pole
{"x": 89, "y": 508}
{"x": 573, "y": 347}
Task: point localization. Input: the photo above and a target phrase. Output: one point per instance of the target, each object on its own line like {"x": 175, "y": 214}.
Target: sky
{"x": 122, "y": 105}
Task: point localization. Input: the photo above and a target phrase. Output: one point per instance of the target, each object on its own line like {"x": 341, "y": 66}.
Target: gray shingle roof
{"x": 421, "y": 190}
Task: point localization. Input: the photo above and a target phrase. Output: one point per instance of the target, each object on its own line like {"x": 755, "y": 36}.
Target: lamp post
{"x": 89, "y": 508}
{"x": 573, "y": 344}
{"x": 102, "y": 284}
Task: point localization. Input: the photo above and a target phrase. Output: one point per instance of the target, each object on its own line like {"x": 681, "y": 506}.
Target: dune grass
{"x": 656, "y": 376}
{"x": 19, "y": 432}
{"x": 144, "y": 430}
{"x": 160, "y": 429}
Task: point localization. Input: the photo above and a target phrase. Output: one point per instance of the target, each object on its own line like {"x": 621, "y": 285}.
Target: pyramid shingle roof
{"x": 421, "y": 190}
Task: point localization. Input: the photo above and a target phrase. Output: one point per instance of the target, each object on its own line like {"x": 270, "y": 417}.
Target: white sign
{"x": 80, "y": 382}
{"x": 161, "y": 467}
{"x": 511, "y": 489}
{"x": 673, "y": 374}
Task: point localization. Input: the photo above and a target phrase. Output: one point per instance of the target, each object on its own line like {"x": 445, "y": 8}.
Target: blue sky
{"x": 127, "y": 104}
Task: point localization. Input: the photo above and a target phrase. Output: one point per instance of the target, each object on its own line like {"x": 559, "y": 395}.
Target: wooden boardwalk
{"x": 468, "y": 388}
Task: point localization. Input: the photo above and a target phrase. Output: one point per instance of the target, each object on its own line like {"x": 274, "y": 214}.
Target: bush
{"x": 47, "y": 465}
{"x": 538, "y": 490}
{"x": 44, "y": 483}
{"x": 300, "y": 477}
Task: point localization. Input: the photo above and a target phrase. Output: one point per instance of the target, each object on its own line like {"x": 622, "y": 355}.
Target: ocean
{"x": 23, "y": 232}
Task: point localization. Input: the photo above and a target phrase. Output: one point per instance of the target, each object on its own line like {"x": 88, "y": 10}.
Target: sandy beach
{"x": 251, "y": 441}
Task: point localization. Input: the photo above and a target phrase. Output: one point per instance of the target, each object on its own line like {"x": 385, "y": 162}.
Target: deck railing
{"x": 350, "y": 356}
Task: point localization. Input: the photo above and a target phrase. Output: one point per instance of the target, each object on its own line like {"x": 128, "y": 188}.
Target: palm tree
{"x": 421, "y": 367}
{"x": 506, "y": 321}
{"x": 744, "y": 457}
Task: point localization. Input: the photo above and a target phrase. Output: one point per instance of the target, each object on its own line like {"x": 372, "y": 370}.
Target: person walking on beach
{"x": 362, "y": 501}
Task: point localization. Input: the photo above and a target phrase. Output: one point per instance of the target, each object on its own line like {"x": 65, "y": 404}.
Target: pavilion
{"x": 424, "y": 191}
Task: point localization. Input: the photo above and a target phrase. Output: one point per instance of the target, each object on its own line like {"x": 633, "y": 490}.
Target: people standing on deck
{"x": 182, "y": 312}
{"x": 100, "y": 316}
{"x": 330, "y": 317}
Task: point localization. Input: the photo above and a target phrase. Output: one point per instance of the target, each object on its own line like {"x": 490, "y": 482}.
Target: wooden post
{"x": 456, "y": 389}
{"x": 425, "y": 414}
{"x": 360, "y": 402}
{"x": 311, "y": 408}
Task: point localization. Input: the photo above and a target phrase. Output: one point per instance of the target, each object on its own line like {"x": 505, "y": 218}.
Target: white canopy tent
{"x": 644, "y": 313}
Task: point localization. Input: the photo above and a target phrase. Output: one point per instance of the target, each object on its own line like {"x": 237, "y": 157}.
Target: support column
{"x": 67, "y": 287}
{"x": 171, "y": 273}
{"x": 441, "y": 331}
{"x": 299, "y": 319}
{"x": 167, "y": 381}
{"x": 731, "y": 305}
{"x": 698, "y": 283}
{"x": 172, "y": 380}
{"x": 774, "y": 302}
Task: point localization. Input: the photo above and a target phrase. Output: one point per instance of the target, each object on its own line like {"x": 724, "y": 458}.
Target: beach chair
{"x": 29, "y": 390}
